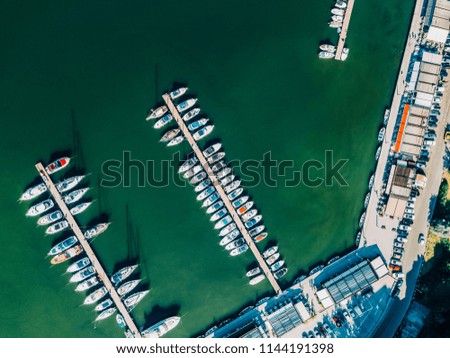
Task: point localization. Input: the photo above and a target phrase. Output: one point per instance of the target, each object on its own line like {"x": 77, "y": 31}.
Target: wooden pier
{"x": 198, "y": 152}
{"x": 88, "y": 250}
{"x": 343, "y": 34}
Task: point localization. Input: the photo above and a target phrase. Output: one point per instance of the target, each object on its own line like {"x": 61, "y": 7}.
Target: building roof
{"x": 284, "y": 319}
{"x": 396, "y": 206}
{"x": 430, "y": 68}
{"x": 379, "y": 267}
{"x": 302, "y": 311}
{"x": 428, "y": 78}
{"x": 419, "y": 111}
{"x": 432, "y": 57}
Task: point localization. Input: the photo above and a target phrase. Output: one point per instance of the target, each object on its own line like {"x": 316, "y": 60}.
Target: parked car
{"x": 421, "y": 165}
{"x": 398, "y": 274}
{"x": 402, "y": 239}
{"x": 421, "y": 239}
{"x": 398, "y": 250}
{"x": 352, "y": 313}
{"x": 396, "y": 256}
{"x": 410, "y": 217}
{"x": 409, "y": 210}
{"x": 395, "y": 268}
{"x": 396, "y": 262}
{"x": 337, "y": 322}
{"x": 398, "y": 244}
{"x": 404, "y": 227}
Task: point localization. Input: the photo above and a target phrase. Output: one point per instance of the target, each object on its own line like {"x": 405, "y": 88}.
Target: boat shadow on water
{"x": 159, "y": 313}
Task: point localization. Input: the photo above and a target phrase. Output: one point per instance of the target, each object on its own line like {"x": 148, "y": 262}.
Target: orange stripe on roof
{"x": 402, "y": 128}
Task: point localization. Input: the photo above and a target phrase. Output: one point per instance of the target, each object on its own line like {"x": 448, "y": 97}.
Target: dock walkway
{"x": 88, "y": 250}
{"x": 198, "y": 152}
{"x": 343, "y": 34}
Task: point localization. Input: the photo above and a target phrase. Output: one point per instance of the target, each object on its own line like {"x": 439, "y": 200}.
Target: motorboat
{"x": 202, "y": 186}
{"x": 243, "y": 209}
{"x": 163, "y": 121}
{"x": 246, "y": 310}
{"x": 123, "y": 274}
{"x": 249, "y": 214}
{"x": 366, "y": 200}
{"x": 234, "y": 244}
{"x": 299, "y": 279}
{"x": 214, "y": 207}
{"x": 219, "y": 214}
{"x": 316, "y": 270}
{"x": 327, "y": 48}
{"x": 87, "y": 284}
{"x": 226, "y": 230}
{"x": 66, "y": 255}
{"x": 218, "y": 166}
{"x": 270, "y": 251}
{"x": 212, "y": 149}
{"x": 80, "y": 264}
{"x": 211, "y": 199}
{"x": 95, "y": 296}
{"x": 69, "y": 183}
{"x": 387, "y": 113}
{"x": 335, "y": 24}
{"x": 227, "y": 180}
{"x": 197, "y": 124}
{"x": 203, "y": 132}
{"x": 345, "y": 52}
{"x": 223, "y": 222}
{"x": 253, "y": 272}
{"x": 161, "y": 328}
{"x": 191, "y": 114}
{"x": 156, "y": 113}
{"x": 381, "y": 134}
{"x": 262, "y": 300}
{"x": 34, "y": 192}
{"x": 50, "y": 218}
{"x": 78, "y": 209}
{"x": 255, "y": 231}
{"x": 260, "y": 237}
{"x": 358, "y": 238}
{"x": 333, "y": 260}
{"x": 271, "y": 259}
{"x": 239, "y": 202}
{"x": 252, "y": 222}
{"x": 326, "y": 55}
{"x": 40, "y": 208}
{"x": 74, "y": 196}
{"x": 239, "y": 250}
{"x": 233, "y": 186}
{"x": 378, "y": 152}
{"x": 184, "y": 106}
{"x": 234, "y": 194}
{"x": 104, "y": 305}
{"x": 107, "y": 313}
{"x": 57, "y": 165}
{"x": 96, "y": 230}
{"x": 178, "y": 92}
{"x": 57, "y": 227}
{"x": 63, "y": 245}
{"x": 205, "y": 193}
{"x": 257, "y": 279}
{"x": 280, "y": 273}
{"x": 371, "y": 181}
{"x": 337, "y": 18}
{"x": 131, "y": 301}
{"x": 223, "y": 173}
{"x": 191, "y": 172}
{"x": 169, "y": 135}
{"x": 229, "y": 237}
{"x": 175, "y": 141}
{"x": 188, "y": 164}
{"x": 127, "y": 287}
{"x": 277, "y": 265}
{"x": 341, "y": 4}
{"x": 197, "y": 178}
{"x": 83, "y": 274}
{"x": 337, "y": 11}
{"x": 120, "y": 320}
{"x": 216, "y": 157}
{"x": 361, "y": 219}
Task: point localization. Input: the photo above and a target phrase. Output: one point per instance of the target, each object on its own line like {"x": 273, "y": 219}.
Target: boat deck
{"x": 343, "y": 34}
{"x": 88, "y": 250}
{"x": 221, "y": 192}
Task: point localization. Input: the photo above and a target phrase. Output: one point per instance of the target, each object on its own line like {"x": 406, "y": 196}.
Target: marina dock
{"x": 88, "y": 250}
{"x": 198, "y": 152}
{"x": 343, "y": 34}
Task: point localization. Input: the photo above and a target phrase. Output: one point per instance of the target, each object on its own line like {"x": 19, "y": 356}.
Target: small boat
{"x": 87, "y": 284}
{"x": 239, "y": 202}
{"x": 277, "y": 265}
{"x": 57, "y": 165}
{"x": 202, "y": 186}
{"x": 227, "y": 180}
{"x": 69, "y": 183}
{"x": 64, "y": 245}
{"x": 381, "y": 134}
{"x": 233, "y": 186}
{"x": 104, "y": 305}
{"x": 252, "y": 222}
{"x": 233, "y": 195}
{"x": 223, "y": 222}
{"x": 257, "y": 279}
{"x": 333, "y": 260}
{"x": 40, "y": 208}
{"x": 96, "y": 230}
{"x": 280, "y": 273}
{"x": 95, "y": 296}
{"x": 249, "y": 214}
{"x": 212, "y": 149}
{"x": 358, "y": 238}
{"x": 105, "y": 314}
{"x": 299, "y": 279}
{"x": 216, "y": 157}
{"x": 271, "y": 259}
{"x": 229, "y": 237}
{"x": 218, "y": 166}
{"x": 66, "y": 255}
{"x": 191, "y": 114}
{"x": 361, "y": 219}
{"x": 127, "y": 287}
{"x": 175, "y": 141}
{"x": 371, "y": 181}
{"x": 131, "y": 301}
{"x": 256, "y": 230}
{"x": 377, "y": 154}
{"x": 316, "y": 270}
{"x": 326, "y": 55}
{"x": 80, "y": 264}
{"x": 228, "y": 229}
{"x": 234, "y": 244}
{"x": 163, "y": 121}
{"x": 345, "y": 52}
{"x": 178, "y": 92}
{"x": 246, "y": 310}
{"x": 387, "y": 113}
{"x": 184, "y": 106}
{"x": 245, "y": 207}
{"x": 341, "y": 4}
{"x": 188, "y": 164}
{"x": 210, "y": 200}
{"x": 57, "y": 227}
{"x": 34, "y": 192}
{"x": 253, "y": 272}
{"x": 123, "y": 274}
{"x": 50, "y": 218}
{"x": 78, "y": 209}
{"x": 156, "y": 113}
{"x": 336, "y": 11}
{"x": 169, "y": 135}
{"x": 337, "y": 18}
{"x": 270, "y": 251}
{"x": 261, "y": 301}
{"x": 239, "y": 250}
{"x": 197, "y": 124}
{"x": 83, "y": 274}
{"x": 211, "y": 330}
{"x": 214, "y": 207}
{"x": 75, "y": 195}
{"x": 161, "y": 328}
{"x": 197, "y": 178}
{"x": 191, "y": 172}
{"x": 366, "y": 200}
{"x": 260, "y": 237}
{"x": 223, "y": 173}
{"x": 203, "y": 132}
{"x": 219, "y": 214}
{"x": 120, "y": 320}
{"x": 328, "y": 48}
{"x": 335, "y": 24}
{"x": 205, "y": 193}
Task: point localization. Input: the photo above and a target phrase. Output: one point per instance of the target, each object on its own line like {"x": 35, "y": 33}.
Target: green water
{"x": 255, "y": 69}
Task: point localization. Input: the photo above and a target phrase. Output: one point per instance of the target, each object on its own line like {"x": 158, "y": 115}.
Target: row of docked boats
{"x": 271, "y": 256}
{"x": 328, "y": 51}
